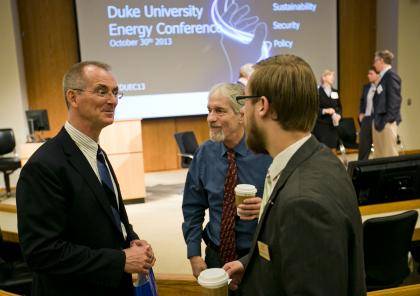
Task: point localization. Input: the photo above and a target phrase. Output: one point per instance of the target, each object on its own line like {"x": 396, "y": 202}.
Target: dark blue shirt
{"x": 204, "y": 189}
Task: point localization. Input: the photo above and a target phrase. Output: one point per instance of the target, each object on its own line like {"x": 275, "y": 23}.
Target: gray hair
{"x": 75, "y": 77}
{"x": 386, "y": 55}
{"x": 230, "y": 91}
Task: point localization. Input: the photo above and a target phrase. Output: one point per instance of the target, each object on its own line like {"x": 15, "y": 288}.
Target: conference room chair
{"x": 15, "y": 276}
{"x": 8, "y": 164}
{"x": 386, "y": 243}
{"x": 187, "y": 145}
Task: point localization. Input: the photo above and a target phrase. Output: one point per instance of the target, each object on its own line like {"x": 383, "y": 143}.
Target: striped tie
{"x": 227, "y": 228}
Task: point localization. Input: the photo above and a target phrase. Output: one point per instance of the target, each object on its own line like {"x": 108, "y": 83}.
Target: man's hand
{"x": 197, "y": 265}
{"x": 138, "y": 259}
{"x": 329, "y": 111}
{"x": 143, "y": 243}
{"x": 250, "y": 208}
{"x": 235, "y": 271}
{"x": 361, "y": 116}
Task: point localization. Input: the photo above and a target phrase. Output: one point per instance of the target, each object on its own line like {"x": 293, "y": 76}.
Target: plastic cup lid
{"x": 213, "y": 278}
{"x": 247, "y": 189}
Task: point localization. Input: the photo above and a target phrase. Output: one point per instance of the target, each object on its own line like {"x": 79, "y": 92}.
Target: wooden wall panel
{"x": 49, "y": 42}
{"x": 357, "y": 45}
{"x": 159, "y": 148}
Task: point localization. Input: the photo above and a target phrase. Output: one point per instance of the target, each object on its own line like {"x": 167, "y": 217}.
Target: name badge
{"x": 264, "y": 250}
{"x": 379, "y": 89}
{"x": 334, "y": 95}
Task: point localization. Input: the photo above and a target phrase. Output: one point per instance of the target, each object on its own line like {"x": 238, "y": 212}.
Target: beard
{"x": 255, "y": 137}
{"x": 217, "y": 136}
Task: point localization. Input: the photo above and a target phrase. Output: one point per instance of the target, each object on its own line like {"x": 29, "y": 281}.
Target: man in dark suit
{"x": 365, "y": 115}
{"x": 309, "y": 238}
{"x": 73, "y": 227}
{"x": 386, "y": 106}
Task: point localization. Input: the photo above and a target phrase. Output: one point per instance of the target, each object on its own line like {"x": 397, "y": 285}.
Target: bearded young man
{"x": 309, "y": 238}
{"x": 218, "y": 165}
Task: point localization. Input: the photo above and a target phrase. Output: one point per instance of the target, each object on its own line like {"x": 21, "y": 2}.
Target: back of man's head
{"x": 290, "y": 85}
{"x": 385, "y": 55}
{"x": 75, "y": 76}
{"x": 246, "y": 70}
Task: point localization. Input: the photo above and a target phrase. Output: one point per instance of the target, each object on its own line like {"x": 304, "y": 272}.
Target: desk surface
{"x": 8, "y": 218}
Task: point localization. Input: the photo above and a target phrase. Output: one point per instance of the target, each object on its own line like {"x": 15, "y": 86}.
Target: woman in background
{"x": 329, "y": 113}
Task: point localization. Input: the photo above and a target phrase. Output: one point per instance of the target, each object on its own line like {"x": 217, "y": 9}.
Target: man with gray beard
{"x": 218, "y": 165}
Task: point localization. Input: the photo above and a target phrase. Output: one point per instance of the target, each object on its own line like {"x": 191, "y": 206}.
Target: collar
{"x": 239, "y": 149}
{"x": 281, "y": 159}
{"x": 84, "y": 142}
{"x": 382, "y": 73}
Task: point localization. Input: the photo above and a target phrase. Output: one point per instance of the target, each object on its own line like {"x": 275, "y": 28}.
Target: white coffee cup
{"x": 214, "y": 282}
{"x": 244, "y": 191}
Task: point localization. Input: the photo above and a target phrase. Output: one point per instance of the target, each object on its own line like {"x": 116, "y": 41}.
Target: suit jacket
{"x": 327, "y": 102}
{"x": 387, "y": 100}
{"x": 313, "y": 230}
{"x": 67, "y": 231}
{"x": 363, "y": 98}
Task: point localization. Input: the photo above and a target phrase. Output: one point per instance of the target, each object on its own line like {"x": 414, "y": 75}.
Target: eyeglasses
{"x": 241, "y": 99}
{"x": 103, "y": 92}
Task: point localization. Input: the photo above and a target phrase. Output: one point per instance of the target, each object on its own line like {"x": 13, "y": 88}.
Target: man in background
{"x": 309, "y": 238}
{"x": 73, "y": 226}
{"x": 218, "y": 165}
{"x": 386, "y": 106}
{"x": 245, "y": 73}
{"x": 365, "y": 115}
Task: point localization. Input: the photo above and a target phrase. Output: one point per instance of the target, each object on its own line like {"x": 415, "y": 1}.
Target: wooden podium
{"x": 122, "y": 143}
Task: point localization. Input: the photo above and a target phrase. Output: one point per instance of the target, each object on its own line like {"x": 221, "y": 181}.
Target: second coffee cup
{"x": 244, "y": 191}
{"x": 214, "y": 282}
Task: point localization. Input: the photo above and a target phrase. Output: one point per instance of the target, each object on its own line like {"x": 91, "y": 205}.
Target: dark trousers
{"x": 326, "y": 133}
{"x": 365, "y": 138}
{"x": 213, "y": 260}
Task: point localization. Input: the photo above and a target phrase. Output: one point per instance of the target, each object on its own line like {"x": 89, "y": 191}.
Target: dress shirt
{"x": 89, "y": 149}
{"x": 327, "y": 90}
{"x": 277, "y": 166}
{"x": 204, "y": 189}
{"x": 369, "y": 99}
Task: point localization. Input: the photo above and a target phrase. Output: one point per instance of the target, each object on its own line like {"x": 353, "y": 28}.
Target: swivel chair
{"x": 386, "y": 243}
{"x": 15, "y": 276}
{"x": 187, "y": 144}
{"x": 11, "y": 163}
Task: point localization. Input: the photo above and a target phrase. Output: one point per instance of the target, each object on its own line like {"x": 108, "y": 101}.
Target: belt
{"x": 210, "y": 244}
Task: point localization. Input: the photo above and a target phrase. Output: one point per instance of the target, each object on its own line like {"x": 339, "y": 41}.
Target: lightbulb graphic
{"x": 237, "y": 27}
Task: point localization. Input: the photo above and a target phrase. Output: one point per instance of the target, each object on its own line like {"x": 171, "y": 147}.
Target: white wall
{"x": 13, "y": 99}
{"x": 409, "y": 70}
{"x": 398, "y": 29}
{"x": 387, "y": 27}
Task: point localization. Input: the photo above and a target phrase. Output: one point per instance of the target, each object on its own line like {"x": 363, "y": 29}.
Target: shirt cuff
{"x": 194, "y": 249}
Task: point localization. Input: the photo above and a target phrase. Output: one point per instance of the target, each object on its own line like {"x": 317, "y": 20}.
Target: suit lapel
{"x": 302, "y": 154}
{"x": 82, "y": 166}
